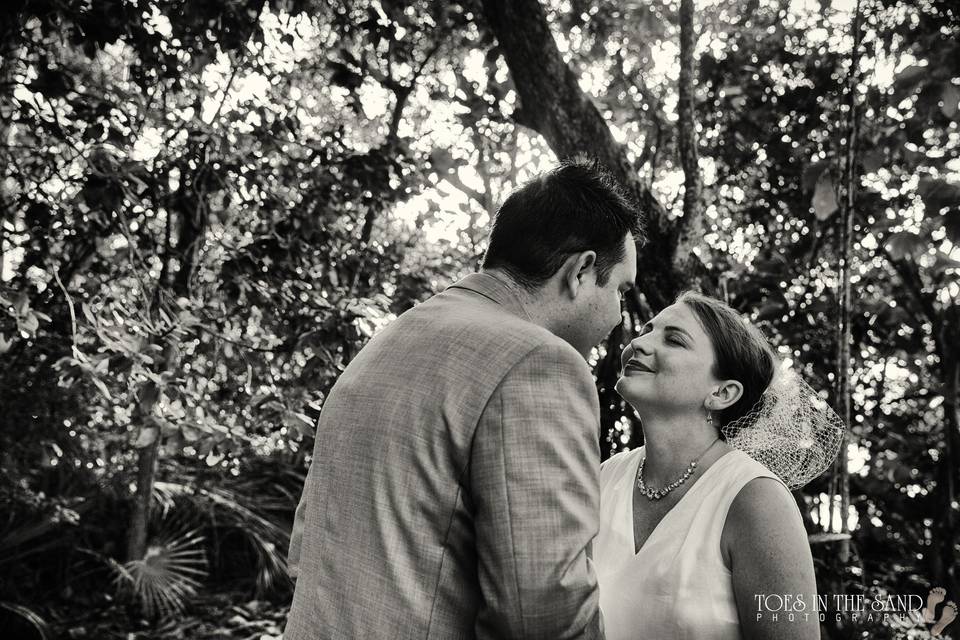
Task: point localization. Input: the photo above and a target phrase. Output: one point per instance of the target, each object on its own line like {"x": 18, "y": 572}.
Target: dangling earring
{"x": 709, "y": 418}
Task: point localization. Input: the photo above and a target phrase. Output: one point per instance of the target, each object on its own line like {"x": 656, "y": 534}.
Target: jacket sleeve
{"x": 296, "y": 540}
{"x": 534, "y": 482}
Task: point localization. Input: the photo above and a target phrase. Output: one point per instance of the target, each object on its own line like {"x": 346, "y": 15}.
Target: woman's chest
{"x": 648, "y": 514}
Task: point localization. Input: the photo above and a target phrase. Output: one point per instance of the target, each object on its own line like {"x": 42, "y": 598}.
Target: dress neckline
{"x": 676, "y": 507}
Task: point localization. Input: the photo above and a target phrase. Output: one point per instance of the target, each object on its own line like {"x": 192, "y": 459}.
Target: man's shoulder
{"x": 459, "y": 340}
{"x": 470, "y": 315}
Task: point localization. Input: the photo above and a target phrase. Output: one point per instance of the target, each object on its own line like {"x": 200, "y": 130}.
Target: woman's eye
{"x": 676, "y": 341}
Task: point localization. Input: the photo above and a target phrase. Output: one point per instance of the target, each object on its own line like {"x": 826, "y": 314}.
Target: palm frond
{"x": 248, "y": 515}
{"x": 169, "y": 573}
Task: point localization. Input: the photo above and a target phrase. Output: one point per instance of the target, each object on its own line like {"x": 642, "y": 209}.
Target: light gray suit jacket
{"x": 454, "y": 487}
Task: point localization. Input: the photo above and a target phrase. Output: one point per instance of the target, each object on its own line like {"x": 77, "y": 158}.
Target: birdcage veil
{"x": 791, "y": 430}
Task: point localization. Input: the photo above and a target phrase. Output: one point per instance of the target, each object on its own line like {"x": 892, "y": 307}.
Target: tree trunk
{"x": 844, "y": 335}
{"x": 188, "y": 208}
{"x": 948, "y": 467}
{"x": 140, "y": 517}
{"x": 692, "y": 232}
{"x": 552, "y": 104}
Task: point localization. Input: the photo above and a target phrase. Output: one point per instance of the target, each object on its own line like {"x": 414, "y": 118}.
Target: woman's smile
{"x": 635, "y": 367}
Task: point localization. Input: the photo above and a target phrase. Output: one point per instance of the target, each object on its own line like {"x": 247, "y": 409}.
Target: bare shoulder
{"x": 762, "y": 499}
{"x": 763, "y": 511}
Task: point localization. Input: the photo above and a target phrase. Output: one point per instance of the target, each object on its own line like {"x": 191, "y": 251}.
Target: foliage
{"x": 208, "y": 208}
{"x": 168, "y": 574}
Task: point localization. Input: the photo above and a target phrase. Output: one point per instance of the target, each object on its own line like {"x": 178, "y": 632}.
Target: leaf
{"x": 205, "y": 447}
{"x": 28, "y": 324}
{"x": 88, "y": 313}
{"x": 167, "y": 428}
{"x": 824, "y": 197}
{"x": 772, "y": 309}
{"x": 908, "y": 79}
{"x": 299, "y": 422}
{"x": 98, "y": 383}
{"x": 906, "y": 245}
{"x": 103, "y": 365}
{"x": 943, "y": 262}
{"x": 149, "y": 394}
{"x": 191, "y": 432}
{"x": 21, "y": 304}
{"x": 951, "y": 98}
{"x": 938, "y": 194}
{"x": 951, "y": 223}
{"x": 147, "y": 436}
{"x": 169, "y": 573}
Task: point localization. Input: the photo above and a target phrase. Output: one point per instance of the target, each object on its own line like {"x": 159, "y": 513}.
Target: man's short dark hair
{"x": 576, "y": 207}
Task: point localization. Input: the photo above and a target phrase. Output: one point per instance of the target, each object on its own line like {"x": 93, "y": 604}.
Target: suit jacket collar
{"x": 494, "y": 289}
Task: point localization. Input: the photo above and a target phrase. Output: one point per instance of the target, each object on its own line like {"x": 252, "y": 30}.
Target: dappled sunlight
{"x": 210, "y": 208}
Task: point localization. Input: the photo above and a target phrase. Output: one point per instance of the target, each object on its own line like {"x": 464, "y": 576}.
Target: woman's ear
{"x": 724, "y": 395}
{"x": 575, "y": 268}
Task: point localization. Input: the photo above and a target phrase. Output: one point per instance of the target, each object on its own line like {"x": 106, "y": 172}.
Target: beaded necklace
{"x": 656, "y": 494}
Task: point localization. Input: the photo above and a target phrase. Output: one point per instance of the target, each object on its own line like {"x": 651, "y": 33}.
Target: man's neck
{"x": 544, "y": 306}
{"x": 531, "y": 301}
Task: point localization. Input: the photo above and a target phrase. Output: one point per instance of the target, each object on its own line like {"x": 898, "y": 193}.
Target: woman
{"x": 693, "y": 529}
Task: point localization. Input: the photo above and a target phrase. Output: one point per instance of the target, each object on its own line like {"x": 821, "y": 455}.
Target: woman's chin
{"x": 628, "y": 389}
{"x": 619, "y": 384}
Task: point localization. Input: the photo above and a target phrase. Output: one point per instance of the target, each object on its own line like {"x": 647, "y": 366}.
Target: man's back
{"x": 453, "y": 487}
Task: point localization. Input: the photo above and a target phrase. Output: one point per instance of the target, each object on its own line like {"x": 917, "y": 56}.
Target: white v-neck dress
{"x": 677, "y": 586}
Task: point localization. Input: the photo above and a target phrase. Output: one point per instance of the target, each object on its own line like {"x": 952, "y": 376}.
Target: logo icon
{"x": 928, "y": 615}
{"x": 948, "y": 615}
{"x": 922, "y": 619}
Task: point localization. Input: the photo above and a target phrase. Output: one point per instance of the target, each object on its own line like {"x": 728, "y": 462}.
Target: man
{"x": 454, "y": 485}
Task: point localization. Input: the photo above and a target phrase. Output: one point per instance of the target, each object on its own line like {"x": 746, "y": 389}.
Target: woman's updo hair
{"x": 740, "y": 351}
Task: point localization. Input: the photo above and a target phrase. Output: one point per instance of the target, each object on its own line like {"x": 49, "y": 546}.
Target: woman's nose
{"x": 641, "y": 344}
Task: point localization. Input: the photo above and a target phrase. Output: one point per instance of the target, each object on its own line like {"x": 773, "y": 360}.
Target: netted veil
{"x": 791, "y": 430}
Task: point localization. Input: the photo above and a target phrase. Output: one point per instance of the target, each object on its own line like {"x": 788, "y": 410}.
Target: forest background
{"x": 207, "y": 208}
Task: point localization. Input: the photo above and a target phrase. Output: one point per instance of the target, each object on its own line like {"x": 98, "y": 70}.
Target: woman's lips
{"x": 639, "y": 367}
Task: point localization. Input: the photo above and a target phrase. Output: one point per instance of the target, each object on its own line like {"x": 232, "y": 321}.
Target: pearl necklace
{"x": 656, "y": 494}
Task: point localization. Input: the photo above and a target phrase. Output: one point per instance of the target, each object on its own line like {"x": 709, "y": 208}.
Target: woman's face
{"x": 670, "y": 364}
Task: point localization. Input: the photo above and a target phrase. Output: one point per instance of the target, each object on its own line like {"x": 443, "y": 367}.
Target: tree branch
{"x": 553, "y": 104}
{"x": 475, "y": 195}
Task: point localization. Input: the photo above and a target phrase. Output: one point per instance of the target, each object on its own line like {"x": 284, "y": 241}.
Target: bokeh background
{"x": 207, "y": 208}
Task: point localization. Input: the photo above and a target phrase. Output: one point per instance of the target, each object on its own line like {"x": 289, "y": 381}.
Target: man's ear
{"x": 577, "y": 267}
{"x": 724, "y": 395}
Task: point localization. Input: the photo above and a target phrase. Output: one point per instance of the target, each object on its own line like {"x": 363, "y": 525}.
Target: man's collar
{"x": 495, "y": 289}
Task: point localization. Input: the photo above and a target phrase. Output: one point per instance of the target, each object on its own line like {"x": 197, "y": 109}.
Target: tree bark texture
{"x": 851, "y": 180}
{"x": 552, "y": 103}
{"x": 687, "y": 133}
{"x": 948, "y": 467}
{"x": 140, "y": 516}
